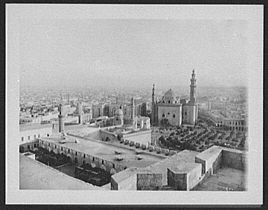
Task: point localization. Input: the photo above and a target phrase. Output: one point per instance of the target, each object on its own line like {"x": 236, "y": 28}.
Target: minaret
{"x": 193, "y": 89}
{"x": 132, "y": 109}
{"x": 80, "y": 112}
{"x": 152, "y": 113}
{"x": 61, "y": 119}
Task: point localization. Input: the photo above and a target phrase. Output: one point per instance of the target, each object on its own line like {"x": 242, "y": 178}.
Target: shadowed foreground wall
{"x": 149, "y": 181}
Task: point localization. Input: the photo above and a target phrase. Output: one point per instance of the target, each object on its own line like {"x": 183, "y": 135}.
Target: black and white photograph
{"x": 134, "y": 104}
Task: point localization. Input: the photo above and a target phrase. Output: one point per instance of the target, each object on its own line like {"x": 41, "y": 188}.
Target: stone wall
{"x": 149, "y": 181}
{"x": 81, "y": 158}
{"x": 30, "y": 135}
{"x": 216, "y": 164}
{"x": 234, "y": 159}
{"x": 210, "y": 159}
{"x": 114, "y": 184}
{"x": 29, "y": 146}
{"x": 142, "y": 137}
{"x": 203, "y": 164}
{"x": 106, "y": 135}
{"x": 194, "y": 177}
{"x": 128, "y": 184}
{"x": 177, "y": 180}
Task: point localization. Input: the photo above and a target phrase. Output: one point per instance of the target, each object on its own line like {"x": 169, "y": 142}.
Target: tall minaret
{"x": 153, "y": 105}
{"x": 61, "y": 119}
{"x": 192, "y": 89}
{"x": 132, "y": 109}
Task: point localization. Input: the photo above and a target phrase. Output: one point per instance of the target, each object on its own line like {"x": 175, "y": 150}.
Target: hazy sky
{"x": 132, "y": 52}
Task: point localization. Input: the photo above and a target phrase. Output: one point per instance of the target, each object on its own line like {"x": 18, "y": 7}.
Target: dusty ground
{"x": 225, "y": 179}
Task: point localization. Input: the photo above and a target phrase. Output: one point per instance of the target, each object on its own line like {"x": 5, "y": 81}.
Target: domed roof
{"x": 169, "y": 93}
{"x": 119, "y": 112}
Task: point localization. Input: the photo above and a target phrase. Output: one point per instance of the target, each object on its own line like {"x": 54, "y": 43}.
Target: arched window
{"x": 168, "y": 113}
{"x": 163, "y": 115}
{"x": 174, "y": 116}
{"x": 169, "y": 101}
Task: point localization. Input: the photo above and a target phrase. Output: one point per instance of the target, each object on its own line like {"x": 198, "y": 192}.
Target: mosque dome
{"x": 169, "y": 93}
{"x": 119, "y": 112}
{"x": 169, "y": 97}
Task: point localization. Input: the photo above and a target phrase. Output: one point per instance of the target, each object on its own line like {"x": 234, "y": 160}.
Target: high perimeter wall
{"x": 142, "y": 137}
{"x": 217, "y": 157}
{"x": 234, "y": 159}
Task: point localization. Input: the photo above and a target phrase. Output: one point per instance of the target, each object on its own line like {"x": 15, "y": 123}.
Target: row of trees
{"x": 173, "y": 143}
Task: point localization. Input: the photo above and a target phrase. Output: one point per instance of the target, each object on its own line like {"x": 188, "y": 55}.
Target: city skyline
{"x": 129, "y": 53}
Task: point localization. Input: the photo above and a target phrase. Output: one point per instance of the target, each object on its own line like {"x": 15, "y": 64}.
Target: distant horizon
{"x": 128, "y": 52}
{"x": 129, "y": 87}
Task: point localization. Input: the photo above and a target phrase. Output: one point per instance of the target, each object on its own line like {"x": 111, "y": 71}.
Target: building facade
{"x": 170, "y": 109}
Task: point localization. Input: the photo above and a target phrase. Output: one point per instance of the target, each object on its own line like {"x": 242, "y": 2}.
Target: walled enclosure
{"x": 149, "y": 181}
{"x": 80, "y": 158}
{"x": 216, "y": 157}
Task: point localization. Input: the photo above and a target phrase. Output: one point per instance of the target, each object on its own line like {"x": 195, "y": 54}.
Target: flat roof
{"x": 129, "y": 172}
{"x": 224, "y": 179}
{"x": 184, "y": 168}
{"x": 106, "y": 151}
{"x": 212, "y": 152}
{"x": 36, "y": 175}
{"x": 183, "y": 161}
{"x": 33, "y": 126}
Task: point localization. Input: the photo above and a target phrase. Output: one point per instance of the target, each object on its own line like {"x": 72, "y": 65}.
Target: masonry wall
{"x": 203, "y": 164}
{"x": 149, "y": 181}
{"x": 194, "y": 177}
{"x": 81, "y": 158}
{"x": 95, "y": 135}
{"x": 114, "y": 184}
{"x": 189, "y": 114}
{"x": 234, "y": 159}
{"x": 177, "y": 180}
{"x": 106, "y": 134}
{"x": 212, "y": 163}
{"x": 32, "y": 134}
{"x": 216, "y": 165}
{"x": 166, "y": 111}
{"x": 128, "y": 184}
{"x": 28, "y": 146}
{"x": 142, "y": 137}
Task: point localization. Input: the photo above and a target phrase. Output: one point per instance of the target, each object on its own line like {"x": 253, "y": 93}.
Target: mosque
{"x": 173, "y": 110}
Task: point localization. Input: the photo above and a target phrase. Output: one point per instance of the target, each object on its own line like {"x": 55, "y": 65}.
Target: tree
{"x": 162, "y": 140}
{"x": 164, "y": 122}
{"x": 119, "y": 136}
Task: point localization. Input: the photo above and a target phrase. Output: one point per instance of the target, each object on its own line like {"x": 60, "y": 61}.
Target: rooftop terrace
{"x": 107, "y": 152}
{"x": 36, "y": 175}
{"x": 224, "y": 179}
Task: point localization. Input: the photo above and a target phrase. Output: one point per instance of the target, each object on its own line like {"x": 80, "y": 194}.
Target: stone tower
{"x": 132, "y": 109}
{"x": 80, "y": 113}
{"x": 153, "y": 109}
{"x": 193, "y": 89}
{"x": 61, "y": 119}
